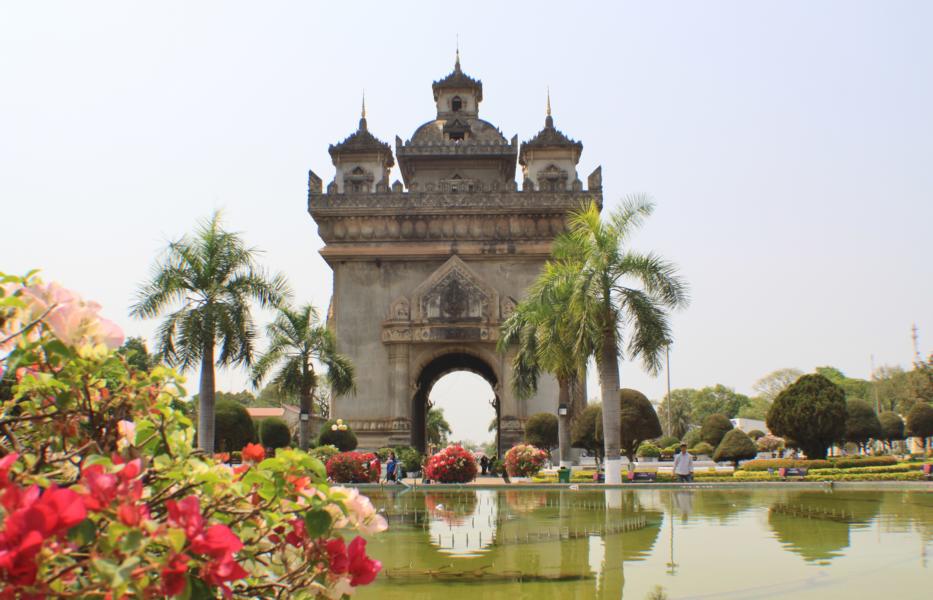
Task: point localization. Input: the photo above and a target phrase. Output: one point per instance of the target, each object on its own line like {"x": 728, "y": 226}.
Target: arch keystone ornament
{"x": 425, "y": 272}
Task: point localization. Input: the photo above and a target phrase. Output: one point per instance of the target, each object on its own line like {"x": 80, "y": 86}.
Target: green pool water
{"x": 703, "y": 543}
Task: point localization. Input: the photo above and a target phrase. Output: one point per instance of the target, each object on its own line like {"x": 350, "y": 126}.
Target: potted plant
{"x": 410, "y": 460}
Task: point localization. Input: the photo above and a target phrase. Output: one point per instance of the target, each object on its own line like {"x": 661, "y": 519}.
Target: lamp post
{"x": 667, "y": 358}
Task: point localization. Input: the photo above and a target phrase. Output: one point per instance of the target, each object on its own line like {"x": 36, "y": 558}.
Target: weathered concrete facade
{"x": 425, "y": 272}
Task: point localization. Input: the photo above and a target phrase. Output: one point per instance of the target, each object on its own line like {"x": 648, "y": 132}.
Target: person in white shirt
{"x": 683, "y": 465}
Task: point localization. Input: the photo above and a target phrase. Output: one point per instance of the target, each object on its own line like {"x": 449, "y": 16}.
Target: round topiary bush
{"x": 337, "y": 433}
{"x": 541, "y": 431}
{"x": 274, "y": 433}
{"x": 811, "y": 414}
{"x": 667, "y": 441}
{"x": 354, "y": 467}
{"x": 920, "y": 422}
{"x": 692, "y": 437}
{"x": 453, "y": 464}
{"x": 587, "y": 430}
{"x": 233, "y": 427}
{"x": 524, "y": 460}
{"x": 735, "y": 446}
{"x": 714, "y": 428}
{"x": 892, "y": 427}
{"x": 648, "y": 450}
{"x": 703, "y": 449}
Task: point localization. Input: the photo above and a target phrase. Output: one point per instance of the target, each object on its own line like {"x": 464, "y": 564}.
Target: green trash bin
{"x": 563, "y": 475}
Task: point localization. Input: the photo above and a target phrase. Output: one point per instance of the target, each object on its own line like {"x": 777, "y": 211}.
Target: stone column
{"x": 399, "y": 400}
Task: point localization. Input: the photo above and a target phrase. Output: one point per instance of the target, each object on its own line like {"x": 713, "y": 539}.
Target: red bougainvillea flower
{"x": 6, "y": 463}
{"x": 217, "y": 541}
{"x": 132, "y": 514}
{"x": 363, "y": 570}
{"x": 174, "y": 575}
{"x": 254, "y": 453}
{"x": 186, "y": 514}
{"x": 298, "y": 535}
{"x": 337, "y": 558}
{"x": 219, "y": 572}
{"x": 34, "y": 516}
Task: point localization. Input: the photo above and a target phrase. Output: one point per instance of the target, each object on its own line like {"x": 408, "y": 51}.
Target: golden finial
{"x": 457, "y": 62}
{"x": 548, "y": 101}
{"x": 363, "y": 112}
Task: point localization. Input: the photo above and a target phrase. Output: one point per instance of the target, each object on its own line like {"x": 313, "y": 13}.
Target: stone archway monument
{"x": 426, "y": 271}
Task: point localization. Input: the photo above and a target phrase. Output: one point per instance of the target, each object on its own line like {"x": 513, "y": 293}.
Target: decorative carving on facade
{"x": 595, "y": 181}
{"x": 400, "y": 310}
{"x": 552, "y": 179}
{"x": 454, "y": 294}
{"x": 314, "y": 184}
{"x": 508, "y": 307}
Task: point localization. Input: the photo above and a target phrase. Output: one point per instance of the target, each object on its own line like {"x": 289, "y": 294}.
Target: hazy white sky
{"x": 788, "y": 146}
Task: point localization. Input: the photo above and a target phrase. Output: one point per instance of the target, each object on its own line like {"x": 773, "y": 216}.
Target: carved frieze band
{"x": 441, "y": 227}
{"x": 407, "y": 334}
{"x": 537, "y": 201}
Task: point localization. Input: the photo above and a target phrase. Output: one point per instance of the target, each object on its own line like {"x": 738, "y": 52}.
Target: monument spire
{"x": 457, "y": 61}
{"x": 548, "y": 120}
{"x": 363, "y": 112}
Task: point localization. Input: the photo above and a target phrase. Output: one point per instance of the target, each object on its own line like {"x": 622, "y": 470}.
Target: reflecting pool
{"x": 695, "y": 543}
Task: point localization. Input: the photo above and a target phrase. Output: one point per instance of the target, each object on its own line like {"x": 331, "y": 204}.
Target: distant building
{"x": 748, "y": 425}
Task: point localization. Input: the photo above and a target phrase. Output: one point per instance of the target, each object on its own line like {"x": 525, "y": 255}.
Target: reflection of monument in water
{"x": 571, "y": 544}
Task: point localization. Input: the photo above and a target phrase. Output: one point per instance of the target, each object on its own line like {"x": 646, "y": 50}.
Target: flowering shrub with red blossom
{"x": 354, "y": 467}
{"x": 524, "y": 460}
{"x": 103, "y": 495}
{"x": 453, "y": 464}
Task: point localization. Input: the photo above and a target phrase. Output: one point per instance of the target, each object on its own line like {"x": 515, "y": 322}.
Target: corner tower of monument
{"x": 425, "y": 271}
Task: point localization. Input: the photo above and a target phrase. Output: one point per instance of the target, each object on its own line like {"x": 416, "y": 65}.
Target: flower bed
{"x": 354, "y": 467}
{"x": 524, "y": 460}
{"x": 104, "y": 495}
{"x": 832, "y": 463}
{"x": 453, "y": 464}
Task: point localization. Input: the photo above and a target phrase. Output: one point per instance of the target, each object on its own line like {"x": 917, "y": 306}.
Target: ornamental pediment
{"x": 454, "y": 294}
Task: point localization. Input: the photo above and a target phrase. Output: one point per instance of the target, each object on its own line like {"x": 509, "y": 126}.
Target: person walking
{"x": 683, "y": 465}
{"x": 392, "y": 468}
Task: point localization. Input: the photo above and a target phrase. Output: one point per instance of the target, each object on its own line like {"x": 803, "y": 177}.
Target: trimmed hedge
{"x": 233, "y": 427}
{"x": 764, "y": 464}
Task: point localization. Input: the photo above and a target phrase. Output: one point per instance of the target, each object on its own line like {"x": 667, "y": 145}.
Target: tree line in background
{"x": 891, "y": 390}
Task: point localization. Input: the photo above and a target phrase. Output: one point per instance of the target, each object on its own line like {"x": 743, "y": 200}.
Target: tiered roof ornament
{"x": 362, "y": 142}
{"x": 458, "y": 80}
{"x": 550, "y": 138}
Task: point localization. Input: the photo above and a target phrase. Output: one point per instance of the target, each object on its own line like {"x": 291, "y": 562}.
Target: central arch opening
{"x": 437, "y": 369}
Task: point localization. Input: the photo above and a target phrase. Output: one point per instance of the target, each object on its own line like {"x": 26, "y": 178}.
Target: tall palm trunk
{"x": 609, "y": 392}
{"x": 304, "y": 424}
{"x": 563, "y": 422}
{"x": 206, "y": 404}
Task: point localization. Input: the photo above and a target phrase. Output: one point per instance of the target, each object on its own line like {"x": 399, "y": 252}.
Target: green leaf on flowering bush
{"x": 317, "y": 522}
{"x": 176, "y": 538}
{"x": 197, "y": 590}
{"x": 82, "y": 533}
{"x": 132, "y": 540}
{"x": 58, "y": 347}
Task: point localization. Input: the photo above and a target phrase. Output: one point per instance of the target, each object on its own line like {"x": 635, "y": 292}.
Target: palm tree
{"x": 543, "y": 340}
{"x": 297, "y": 340}
{"x": 207, "y": 281}
{"x": 615, "y": 289}
{"x": 674, "y": 413}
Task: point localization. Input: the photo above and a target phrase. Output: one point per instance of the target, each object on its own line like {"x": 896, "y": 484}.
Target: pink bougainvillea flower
{"x": 363, "y": 569}
{"x": 254, "y": 453}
